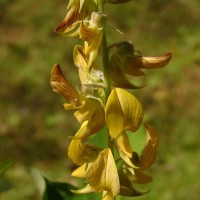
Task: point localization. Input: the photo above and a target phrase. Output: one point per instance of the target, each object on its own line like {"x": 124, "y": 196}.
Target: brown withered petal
{"x": 103, "y": 175}
{"x": 141, "y": 62}
{"x": 63, "y": 87}
{"x": 149, "y": 153}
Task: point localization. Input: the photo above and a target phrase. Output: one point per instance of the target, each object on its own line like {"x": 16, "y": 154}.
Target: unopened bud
{"x": 98, "y": 19}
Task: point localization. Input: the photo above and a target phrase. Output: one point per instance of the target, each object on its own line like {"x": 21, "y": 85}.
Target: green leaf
{"x": 4, "y": 182}
{"x": 4, "y": 166}
{"x": 62, "y": 191}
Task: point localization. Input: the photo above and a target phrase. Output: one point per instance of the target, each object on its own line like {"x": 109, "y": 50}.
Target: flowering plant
{"x": 103, "y": 101}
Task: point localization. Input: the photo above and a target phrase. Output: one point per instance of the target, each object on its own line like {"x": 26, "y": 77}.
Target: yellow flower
{"x": 90, "y": 109}
{"x": 77, "y": 11}
{"x": 83, "y": 155}
{"x": 123, "y": 112}
{"x": 124, "y": 61}
{"x": 102, "y": 176}
{"x": 129, "y": 175}
{"x": 60, "y": 85}
{"x": 91, "y": 32}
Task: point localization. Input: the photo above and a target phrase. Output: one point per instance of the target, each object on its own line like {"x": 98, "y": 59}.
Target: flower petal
{"x": 102, "y": 175}
{"x": 126, "y": 186}
{"x": 123, "y": 112}
{"x": 63, "y": 87}
{"x": 80, "y": 153}
{"x": 93, "y": 37}
{"x": 80, "y": 172}
{"x": 81, "y": 61}
{"x": 124, "y": 148}
{"x": 149, "y": 153}
{"x": 137, "y": 176}
{"x": 117, "y": 75}
{"x": 71, "y": 17}
{"x": 85, "y": 190}
{"x": 141, "y": 62}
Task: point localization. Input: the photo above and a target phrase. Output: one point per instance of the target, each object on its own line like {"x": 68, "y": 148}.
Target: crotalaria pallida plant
{"x": 103, "y": 101}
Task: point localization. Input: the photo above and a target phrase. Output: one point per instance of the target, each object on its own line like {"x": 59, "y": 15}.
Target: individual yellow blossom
{"x": 102, "y": 176}
{"x": 124, "y": 62}
{"x": 77, "y": 11}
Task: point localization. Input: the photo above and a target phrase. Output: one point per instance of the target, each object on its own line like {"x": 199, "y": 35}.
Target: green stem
{"x": 105, "y": 65}
{"x": 105, "y": 60}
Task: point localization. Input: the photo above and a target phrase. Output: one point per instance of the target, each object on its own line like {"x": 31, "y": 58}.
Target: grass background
{"x": 34, "y": 127}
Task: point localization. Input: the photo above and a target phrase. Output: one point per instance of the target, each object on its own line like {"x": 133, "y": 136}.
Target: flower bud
{"x": 98, "y": 19}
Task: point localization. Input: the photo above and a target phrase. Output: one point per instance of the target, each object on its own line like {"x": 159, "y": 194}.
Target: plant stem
{"x": 105, "y": 61}
{"x": 105, "y": 65}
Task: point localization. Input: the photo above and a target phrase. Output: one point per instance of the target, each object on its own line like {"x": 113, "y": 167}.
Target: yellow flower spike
{"x": 149, "y": 153}
{"x": 118, "y": 76}
{"x": 141, "y": 62}
{"x": 124, "y": 148}
{"x": 123, "y": 112}
{"x": 103, "y": 175}
{"x": 81, "y": 153}
{"x": 64, "y": 88}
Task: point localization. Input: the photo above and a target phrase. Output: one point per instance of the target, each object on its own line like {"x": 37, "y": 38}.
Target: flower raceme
{"x": 116, "y": 168}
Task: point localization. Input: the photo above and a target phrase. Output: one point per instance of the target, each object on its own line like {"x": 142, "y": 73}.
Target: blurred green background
{"x": 34, "y": 127}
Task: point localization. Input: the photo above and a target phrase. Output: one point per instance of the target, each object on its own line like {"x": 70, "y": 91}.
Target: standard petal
{"x": 149, "y": 153}
{"x": 63, "y": 87}
{"x": 141, "y": 62}
{"x": 71, "y": 17}
{"x": 103, "y": 175}
{"x": 123, "y": 112}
